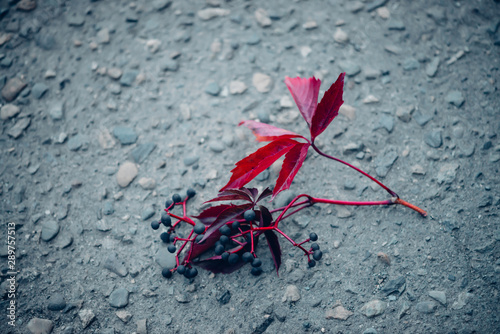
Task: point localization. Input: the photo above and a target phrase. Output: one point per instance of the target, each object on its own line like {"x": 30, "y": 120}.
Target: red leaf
{"x": 233, "y": 195}
{"x": 251, "y": 166}
{"x": 274, "y": 247}
{"x": 266, "y": 132}
{"x": 328, "y": 108}
{"x": 265, "y": 193}
{"x": 305, "y": 93}
{"x": 209, "y": 215}
{"x": 291, "y": 165}
{"x": 231, "y": 213}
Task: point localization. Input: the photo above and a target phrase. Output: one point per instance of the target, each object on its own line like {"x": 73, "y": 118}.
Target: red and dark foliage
{"x": 232, "y": 230}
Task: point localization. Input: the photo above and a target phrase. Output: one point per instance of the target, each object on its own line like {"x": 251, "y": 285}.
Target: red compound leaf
{"x": 231, "y": 213}
{"x": 328, "y": 108}
{"x": 242, "y": 194}
{"x": 275, "y": 248}
{"x": 209, "y": 215}
{"x": 266, "y": 132}
{"x": 291, "y": 165}
{"x": 251, "y": 166}
{"x": 305, "y": 93}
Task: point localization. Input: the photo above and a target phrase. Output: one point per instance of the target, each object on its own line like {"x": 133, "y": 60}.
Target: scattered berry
{"x": 224, "y": 239}
{"x": 249, "y": 215}
{"x": 176, "y": 198}
{"x": 199, "y": 228}
{"x": 166, "y": 273}
{"x": 181, "y": 269}
{"x": 235, "y": 225}
{"x": 314, "y": 246}
{"x": 191, "y": 193}
{"x": 233, "y": 258}
{"x": 155, "y": 225}
{"x": 256, "y": 271}
{"x": 219, "y": 249}
{"x": 165, "y": 219}
{"x": 313, "y": 236}
{"x": 168, "y": 204}
{"x": 225, "y": 256}
{"x": 317, "y": 255}
{"x": 311, "y": 263}
{"x": 191, "y": 273}
{"x": 256, "y": 262}
{"x": 247, "y": 257}
{"x": 165, "y": 237}
{"x": 225, "y": 230}
{"x": 171, "y": 248}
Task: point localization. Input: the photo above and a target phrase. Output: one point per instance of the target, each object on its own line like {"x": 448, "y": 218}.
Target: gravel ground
{"x": 110, "y": 107}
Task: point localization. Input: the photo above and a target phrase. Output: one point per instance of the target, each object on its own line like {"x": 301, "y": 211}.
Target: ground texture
{"x": 111, "y": 107}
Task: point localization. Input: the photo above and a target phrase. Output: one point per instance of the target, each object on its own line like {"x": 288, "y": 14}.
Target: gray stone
{"x": 432, "y": 68}
{"x": 39, "y": 89}
{"x": 396, "y": 25}
{"x": 212, "y": 89}
{"x": 217, "y": 146}
{"x": 426, "y": 307}
{"x": 126, "y": 174}
{"x": 12, "y": 88}
{"x": 56, "y": 302}
{"x": 438, "y": 14}
{"x": 349, "y": 184}
{"x": 485, "y": 201}
{"x": 50, "y": 229}
{"x": 119, "y": 298}
{"x": 455, "y": 98}
{"x": 125, "y": 135}
{"x": 9, "y": 111}
{"x": 75, "y": 20}
{"x": 165, "y": 259}
{"x": 6, "y": 62}
{"x": 397, "y": 285}
{"x": 45, "y": 41}
{"x": 421, "y": 119}
{"x": 434, "y": 138}
{"x": 373, "y": 308}
{"x": 351, "y": 69}
{"x": 169, "y": 65}
{"x": 108, "y": 208}
{"x": 116, "y": 266}
{"x": 40, "y": 326}
{"x": 160, "y": 5}
{"x": 86, "y": 317}
{"x": 384, "y": 162}
{"x": 128, "y": 77}
{"x": 76, "y": 142}
{"x": 253, "y": 39}
{"x": 142, "y": 151}
{"x": 411, "y": 64}
{"x": 263, "y": 176}
{"x": 191, "y": 160}
{"x": 56, "y": 112}
{"x": 447, "y": 173}
{"x": 17, "y": 130}
{"x": 375, "y": 4}
{"x": 440, "y": 296}
{"x": 147, "y": 213}
{"x": 387, "y": 122}
{"x": 370, "y": 331}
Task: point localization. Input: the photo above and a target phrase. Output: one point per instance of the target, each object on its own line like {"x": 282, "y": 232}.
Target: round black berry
{"x": 171, "y": 248}
{"x": 256, "y": 271}
{"x": 176, "y": 198}
{"x": 191, "y": 273}
{"x": 181, "y": 269}
{"x": 311, "y": 263}
{"x": 191, "y": 193}
{"x": 235, "y": 225}
{"x": 256, "y": 262}
{"x": 249, "y": 215}
{"x": 224, "y": 239}
{"x": 165, "y": 237}
{"x": 225, "y": 230}
{"x": 168, "y": 204}
{"x": 155, "y": 225}
{"x": 166, "y": 273}
{"x": 313, "y": 236}
{"x": 172, "y": 238}
{"x": 247, "y": 257}
{"x": 314, "y": 246}
{"x": 199, "y": 228}
{"x": 233, "y": 258}
{"x": 219, "y": 249}
{"x": 317, "y": 255}
{"x": 198, "y": 239}
{"x": 225, "y": 256}
{"x": 165, "y": 219}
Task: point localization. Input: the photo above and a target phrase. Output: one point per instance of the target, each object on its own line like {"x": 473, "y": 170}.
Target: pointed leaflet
{"x": 274, "y": 247}
{"x": 265, "y": 193}
{"x": 251, "y": 166}
{"x": 266, "y": 132}
{"x": 328, "y": 108}
{"x": 291, "y": 165}
{"x": 209, "y": 215}
{"x": 233, "y": 195}
{"x": 305, "y": 93}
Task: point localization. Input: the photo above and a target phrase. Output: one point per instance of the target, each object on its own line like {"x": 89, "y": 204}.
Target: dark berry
{"x": 256, "y": 271}
{"x": 191, "y": 273}
{"x": 249, "y": 215}
{"x": 168, "y": 204}
{"x": 317, "y": 255}
{"x": 235, "y": 225}
{"x": 155, "y": 225}
{"x": 181, "y": 269}
{"x": 217, "y": 243}
{"x": 172, "y": 238}
{"x": 191, "y": 193}
{"x": 314, "y": 246}
{"x": 225, "y": 256}
{"x": 219, "y": 249}
{"x": 313, "y": 236}
{"x": 166, "y": 273}
{"x": 247, "y": 257}
{"x": 176, "y": 198}
{"x": 198, "y": 239}
{"x": 224, "y": 239}
{"x": 225, "y": 230}
{"x": 256, "y": 262}
{"x": 233, "y": 258}
{"x": 171, "y": 248}
{"x": 311, "y": 263}
{"x": 165, "y": 219}
{"x": 165, "y": 237}
{"x": 199, "y": 228}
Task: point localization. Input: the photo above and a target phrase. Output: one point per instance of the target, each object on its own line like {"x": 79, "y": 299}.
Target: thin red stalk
{"x": 184, "y": 245}
{"x": 283, "y": 207}
{"x": 411, "y": 206}
{"x": 184, "y": 219}
{"x": 290, "y": 240}
{"x": 358, "y": 203}
{"x": 392, "y": 193}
